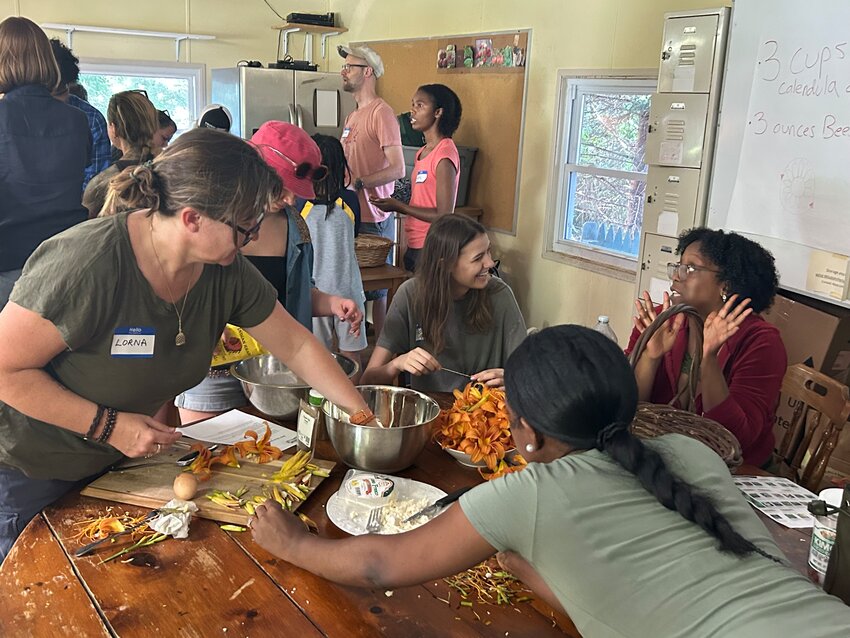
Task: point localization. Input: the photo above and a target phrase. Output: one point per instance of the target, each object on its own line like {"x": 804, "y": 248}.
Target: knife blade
{"x": 86, "y": 549}
{"x": 430, "y": 511}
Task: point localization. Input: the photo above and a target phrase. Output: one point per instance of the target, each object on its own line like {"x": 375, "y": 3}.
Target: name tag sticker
{"x": 345, "y": 132}
{"x": 133, "y": 341}
{"x": 421, "y": 176}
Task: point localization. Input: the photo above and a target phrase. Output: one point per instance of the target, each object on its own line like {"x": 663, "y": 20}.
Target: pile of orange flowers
{"x": 254, "y": 448}
{"x": 477, "y": 424}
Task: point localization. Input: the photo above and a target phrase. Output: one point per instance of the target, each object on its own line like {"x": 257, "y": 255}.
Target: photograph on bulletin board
{"x": 487, "y": 53}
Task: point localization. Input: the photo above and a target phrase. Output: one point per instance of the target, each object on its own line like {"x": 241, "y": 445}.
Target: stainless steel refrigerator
{"x": 314, "y": 101}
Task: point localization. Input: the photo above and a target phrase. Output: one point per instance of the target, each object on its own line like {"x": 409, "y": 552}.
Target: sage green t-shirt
{"x": 622, "y": 565}
{"x": 120, "y": 337}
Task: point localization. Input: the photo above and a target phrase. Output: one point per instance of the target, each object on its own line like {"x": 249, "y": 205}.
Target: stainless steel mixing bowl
{"x": 407, "y": 415}
{"x": 273, "y": 388}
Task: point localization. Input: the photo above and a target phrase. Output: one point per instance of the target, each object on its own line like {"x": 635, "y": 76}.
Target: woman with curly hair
{"x": 729, "y": 280}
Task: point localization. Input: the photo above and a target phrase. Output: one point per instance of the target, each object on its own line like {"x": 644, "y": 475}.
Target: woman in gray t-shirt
{"x": 630, "y": 539}
{"x": 454, "y": 315}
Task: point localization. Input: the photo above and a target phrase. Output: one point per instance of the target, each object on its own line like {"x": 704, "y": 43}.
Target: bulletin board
{"x": 493, "y": 101}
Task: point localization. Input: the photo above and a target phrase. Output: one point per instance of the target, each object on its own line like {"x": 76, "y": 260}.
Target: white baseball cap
{"x": 370, "y": 55}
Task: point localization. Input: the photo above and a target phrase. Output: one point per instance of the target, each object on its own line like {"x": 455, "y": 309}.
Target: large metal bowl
{"x": 407, "y": 416}
{"x": 273, "y": 388}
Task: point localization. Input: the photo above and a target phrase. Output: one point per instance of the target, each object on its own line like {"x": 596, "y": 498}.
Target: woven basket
{"x": 371, "y": 250}
{"x": 653, "y": 420}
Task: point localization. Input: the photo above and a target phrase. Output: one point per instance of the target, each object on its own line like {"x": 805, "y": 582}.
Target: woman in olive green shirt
{"x": 114, "y": 317}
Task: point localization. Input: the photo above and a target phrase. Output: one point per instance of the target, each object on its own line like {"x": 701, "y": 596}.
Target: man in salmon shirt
{"x": 372, "y": 143}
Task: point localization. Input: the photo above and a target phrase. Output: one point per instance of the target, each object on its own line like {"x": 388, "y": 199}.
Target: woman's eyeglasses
{"x": 681, "y": 271}
{"x": 247, "y": 234}
{"x": 304, "y": 169}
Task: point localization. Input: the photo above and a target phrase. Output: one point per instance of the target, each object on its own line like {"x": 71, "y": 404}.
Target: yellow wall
{"x": 566, "y": 34}
{"x": 242, "y": 29}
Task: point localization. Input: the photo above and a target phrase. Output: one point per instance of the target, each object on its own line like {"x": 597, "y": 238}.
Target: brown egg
{"x": 185, "y": 486}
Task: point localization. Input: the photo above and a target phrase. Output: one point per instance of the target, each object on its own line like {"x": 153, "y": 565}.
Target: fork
{"x": 374, "y": 523}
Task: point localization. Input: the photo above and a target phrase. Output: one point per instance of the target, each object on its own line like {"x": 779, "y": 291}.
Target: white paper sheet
{"x": 327, "y": 108}
{"x": 779, "y": 498}
{"x": 657, "y": 288}
{"x": 668, "y": 223}
{"x": 229, "y": 428}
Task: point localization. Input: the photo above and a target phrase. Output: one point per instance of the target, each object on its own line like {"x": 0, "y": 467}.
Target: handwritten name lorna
{"x": 133, "y": 342}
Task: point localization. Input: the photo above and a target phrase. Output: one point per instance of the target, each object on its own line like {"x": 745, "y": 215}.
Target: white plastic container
{"x": 604, "y": 327}
{"x": 823, "y": 536}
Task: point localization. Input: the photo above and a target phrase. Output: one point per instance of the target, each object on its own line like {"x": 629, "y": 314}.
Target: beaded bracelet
{"x": 111, "y": 417}
{"x": 95, "y": 421}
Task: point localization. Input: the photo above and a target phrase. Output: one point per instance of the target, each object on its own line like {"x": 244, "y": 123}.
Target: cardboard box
{"x": 818, "y": 334}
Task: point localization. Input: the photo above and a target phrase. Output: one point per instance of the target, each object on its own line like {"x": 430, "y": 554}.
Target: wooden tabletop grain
{"x": 218, "y": 583}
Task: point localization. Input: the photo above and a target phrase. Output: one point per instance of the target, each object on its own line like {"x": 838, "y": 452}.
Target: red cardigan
{"x": 753, "y": 362}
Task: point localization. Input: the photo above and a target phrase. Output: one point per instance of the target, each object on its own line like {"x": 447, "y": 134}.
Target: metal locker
{"x": 688, "y": 54}
{"x": 671, "y": 200}
{"x": 677, "y": 123}
{"x": 656, "y": 252}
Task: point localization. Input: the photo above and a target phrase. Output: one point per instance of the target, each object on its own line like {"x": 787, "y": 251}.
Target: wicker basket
{"x": 654, "y": 420}
{"x": 371, "y": 250}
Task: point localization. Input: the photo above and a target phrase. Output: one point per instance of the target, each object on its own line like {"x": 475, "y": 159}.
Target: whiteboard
{"x": 781, "y": 172}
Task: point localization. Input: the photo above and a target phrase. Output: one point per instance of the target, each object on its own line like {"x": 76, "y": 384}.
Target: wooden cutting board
{"x": 150, "y": 486}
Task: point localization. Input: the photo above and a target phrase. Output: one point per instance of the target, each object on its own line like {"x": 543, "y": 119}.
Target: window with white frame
{"x": 600, "y": 169}
{"x": 177, "y": 87}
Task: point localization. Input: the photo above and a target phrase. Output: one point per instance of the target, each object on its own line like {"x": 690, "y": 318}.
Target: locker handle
{"x": 292, "y": 118}
{"x": 649, "y": 199}
{"x": 300, "y": 116}
{"x": 649, "y": 128}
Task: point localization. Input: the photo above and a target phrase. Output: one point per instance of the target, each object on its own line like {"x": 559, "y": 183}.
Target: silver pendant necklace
{"x": 180, "y": 339}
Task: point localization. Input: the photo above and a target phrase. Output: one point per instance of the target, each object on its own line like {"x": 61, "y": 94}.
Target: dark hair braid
{"x": 676, "y": 495}
{"x": 575, "y": 385}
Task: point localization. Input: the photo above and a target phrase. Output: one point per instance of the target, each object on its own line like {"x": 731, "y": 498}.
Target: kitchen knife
{"x": 85, "y": 549}
{"x": 435, "y": 508}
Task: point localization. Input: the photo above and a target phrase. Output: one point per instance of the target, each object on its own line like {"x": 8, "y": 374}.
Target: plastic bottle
{"x": 604, "y": 327}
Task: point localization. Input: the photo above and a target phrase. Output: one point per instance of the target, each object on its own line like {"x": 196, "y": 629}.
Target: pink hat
{"x": 293, "y": 154}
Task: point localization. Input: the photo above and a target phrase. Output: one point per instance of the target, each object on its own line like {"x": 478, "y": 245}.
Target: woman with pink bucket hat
{"x": 283, "y": 253}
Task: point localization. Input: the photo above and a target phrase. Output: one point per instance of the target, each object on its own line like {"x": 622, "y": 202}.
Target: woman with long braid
{"x": 630, "y": 538}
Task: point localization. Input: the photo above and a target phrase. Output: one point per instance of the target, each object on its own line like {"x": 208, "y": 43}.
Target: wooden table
{"x": 384, "y": 277}
{"x": 217, "y": 583}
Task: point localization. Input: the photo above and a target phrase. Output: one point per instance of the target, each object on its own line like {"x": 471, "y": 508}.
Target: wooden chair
{"x": 822, "y": 408}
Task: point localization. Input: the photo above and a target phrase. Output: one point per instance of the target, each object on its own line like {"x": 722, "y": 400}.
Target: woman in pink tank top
{"x": 435, "y": 110}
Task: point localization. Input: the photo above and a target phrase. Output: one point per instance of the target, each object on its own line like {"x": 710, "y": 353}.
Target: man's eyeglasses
{"x": 348, "y": 67}
{"x": 681, "y": 271}
{"x": 247, "y": 234}
{"x": 304, "y": 169}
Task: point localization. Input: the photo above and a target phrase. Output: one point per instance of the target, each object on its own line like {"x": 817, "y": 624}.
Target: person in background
{"x": 333, "y": 217}
{"x": 45, "y": 146}
{"x": 283, "y": 253}
{"x": 631, "y": 539}
{"x": 167, "y": 129}
{"x": 80, "y": 91}
{"x": 453, "y": 314}
{"x": 152, "y": 291}
{"x": 435, "y": 110}
{"x": 132, "y": 126}
{"x": 215, "y": 116}
{"x": 372, "y": 143}
{"x": 69, "y": 72}
{"x": 728, "y": 279}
